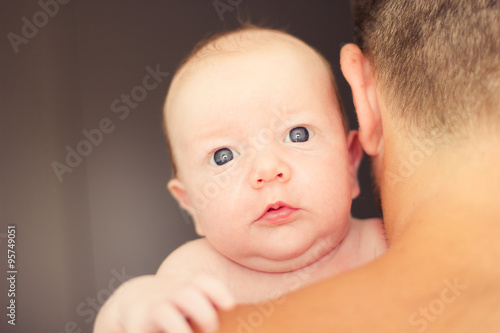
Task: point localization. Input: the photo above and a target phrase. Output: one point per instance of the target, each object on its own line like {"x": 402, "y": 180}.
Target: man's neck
{"x": 444, "y": 181}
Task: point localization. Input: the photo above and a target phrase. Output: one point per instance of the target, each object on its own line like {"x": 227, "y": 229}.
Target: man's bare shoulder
{"x": 193, "y": 257}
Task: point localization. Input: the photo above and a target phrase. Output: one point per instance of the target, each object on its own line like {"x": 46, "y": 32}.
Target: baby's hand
{"x": 153, "y": 304}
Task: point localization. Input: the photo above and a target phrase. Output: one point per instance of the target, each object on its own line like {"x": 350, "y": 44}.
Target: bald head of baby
{"x": 249, "y": 50}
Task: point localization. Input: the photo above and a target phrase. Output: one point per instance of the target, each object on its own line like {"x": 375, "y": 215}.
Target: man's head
{"x": 264, "y": 165}
{"x": 425, "y": 82}
{"x": 438, "y": 62}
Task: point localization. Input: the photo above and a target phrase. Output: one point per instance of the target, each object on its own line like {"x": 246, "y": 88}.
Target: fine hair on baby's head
{"x": 261, "y": 149}
{"x": 247, "y": 38}
{"x": 438, "y": 61}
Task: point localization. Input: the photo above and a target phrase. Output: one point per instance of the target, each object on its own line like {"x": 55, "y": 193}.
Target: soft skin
{"x": 276, "y": 217}
{"x": 443, "y": 229}
{"x": 249, "y": 101}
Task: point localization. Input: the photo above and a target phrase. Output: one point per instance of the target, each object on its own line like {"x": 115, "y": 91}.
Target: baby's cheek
{"x": 331, "y": 181}
{"x": 330, "y": 168}
{"x": 223, "y": 231}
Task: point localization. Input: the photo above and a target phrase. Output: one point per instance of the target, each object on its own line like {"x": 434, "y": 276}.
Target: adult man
{"x": 426, "y": 86}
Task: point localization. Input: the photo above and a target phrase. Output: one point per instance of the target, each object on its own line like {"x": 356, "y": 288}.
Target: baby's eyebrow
{"x": 214, "y": 132}
{"x": 223, "y": 134}
{"x": 212, "y": 138}
{"x": 227, "y": 129}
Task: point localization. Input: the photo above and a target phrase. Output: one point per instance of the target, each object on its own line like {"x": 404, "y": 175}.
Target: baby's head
{"x": 263, "y": 159}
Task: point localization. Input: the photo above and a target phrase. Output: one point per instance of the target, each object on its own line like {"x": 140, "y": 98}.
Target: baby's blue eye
{"x": 222, "y": 156}
{"x": 298, "y": 134}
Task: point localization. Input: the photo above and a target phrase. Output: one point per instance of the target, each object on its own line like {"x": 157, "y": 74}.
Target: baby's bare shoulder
{"x": 196, "y": 256}
{"x": 374, "y": 225}
{"x": 372, "y": 235}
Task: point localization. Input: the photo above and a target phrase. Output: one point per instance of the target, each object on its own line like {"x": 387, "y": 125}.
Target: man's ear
{"x": 358, "y": 72}
{"x": 355, "y": 155}
{"x": 178, "y": 191}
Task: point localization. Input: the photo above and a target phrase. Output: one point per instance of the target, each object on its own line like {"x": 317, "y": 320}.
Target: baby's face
{"x": 263, "y": 160}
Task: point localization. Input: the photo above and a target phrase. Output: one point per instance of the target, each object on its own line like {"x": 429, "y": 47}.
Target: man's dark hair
{"x": 438, "y": 61}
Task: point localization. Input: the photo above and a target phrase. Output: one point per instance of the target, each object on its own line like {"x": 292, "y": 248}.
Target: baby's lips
{"x": 274, "y": 205}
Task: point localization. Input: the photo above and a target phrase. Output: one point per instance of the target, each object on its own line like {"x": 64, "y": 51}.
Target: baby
{"x": 266, "y": 166}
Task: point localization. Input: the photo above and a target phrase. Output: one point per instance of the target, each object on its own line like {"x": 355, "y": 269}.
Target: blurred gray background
{"x": 66, "y": 67}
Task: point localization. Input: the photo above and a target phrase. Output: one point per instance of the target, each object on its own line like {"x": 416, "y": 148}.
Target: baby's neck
{"x": 363, "y": 242}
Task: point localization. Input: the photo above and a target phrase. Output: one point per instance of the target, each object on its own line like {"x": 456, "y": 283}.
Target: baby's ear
{"x": 357, "y": 70}
{"x": 178, "y": 191}
{"x": 355, "y": 155}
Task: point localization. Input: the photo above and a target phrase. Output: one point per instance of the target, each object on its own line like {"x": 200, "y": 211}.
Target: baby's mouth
{"x": 277, "y": 213}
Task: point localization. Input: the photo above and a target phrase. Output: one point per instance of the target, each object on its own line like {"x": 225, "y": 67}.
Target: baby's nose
{"x": 268, "y": 170}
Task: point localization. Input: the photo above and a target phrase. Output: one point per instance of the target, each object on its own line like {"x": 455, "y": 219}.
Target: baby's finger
{"x": 169, "y": 319}
{"x": 216, "y": 291}
{"x": 196, "y": 306}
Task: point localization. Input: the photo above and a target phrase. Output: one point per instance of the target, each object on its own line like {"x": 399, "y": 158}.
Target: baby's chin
{"x": 285, "y": 260}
